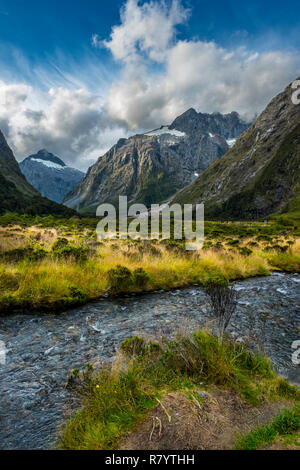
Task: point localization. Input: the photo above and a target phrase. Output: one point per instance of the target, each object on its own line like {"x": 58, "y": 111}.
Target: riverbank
{"x": 42, "y": 350}
{"x": 185, "y": 380}
{"x": 54, "y": 269}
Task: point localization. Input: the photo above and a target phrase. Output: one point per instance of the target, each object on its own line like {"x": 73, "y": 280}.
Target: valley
{"x": 102, "y": 336}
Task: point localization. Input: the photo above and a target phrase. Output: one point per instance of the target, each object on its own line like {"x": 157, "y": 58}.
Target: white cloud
{"x": 85, "y": 113}
{"x": 192, "y": 73}
{"x": 72, "y": 124}
{"x": 147, "y": 28}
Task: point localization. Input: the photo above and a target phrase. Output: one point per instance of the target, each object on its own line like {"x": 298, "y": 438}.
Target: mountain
{"x": 9, "y": 168}
{"x": 50, "y": 175}
{"x": 16, "y": 194}
{"x": 151, "y": 167}
{"x": 261, "y": 173}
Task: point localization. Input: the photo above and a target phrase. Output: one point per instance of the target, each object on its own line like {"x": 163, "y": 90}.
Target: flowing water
{"x": 41, "y": 350}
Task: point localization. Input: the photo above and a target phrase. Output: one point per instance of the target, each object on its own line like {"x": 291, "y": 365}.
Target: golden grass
{"x": 52, "y": 281}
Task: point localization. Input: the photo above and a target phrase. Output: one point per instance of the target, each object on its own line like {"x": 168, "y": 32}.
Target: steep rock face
{"x": 151, "y": 167}
{"x": 10, "y": 170}
{"x": 261, "y": 173}
{"x": 50, "y": 175}
{"x": 16, "y": 194}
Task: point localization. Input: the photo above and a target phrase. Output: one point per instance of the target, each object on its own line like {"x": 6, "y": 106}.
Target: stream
{"x": 41, "y": 350}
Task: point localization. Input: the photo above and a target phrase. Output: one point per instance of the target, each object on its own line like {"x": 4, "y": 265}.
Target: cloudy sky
{"x": 77, "y": 75}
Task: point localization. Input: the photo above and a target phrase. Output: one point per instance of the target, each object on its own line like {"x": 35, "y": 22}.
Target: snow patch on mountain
{"x": 231, "y": 142}
{"x": 165, "y": 130}
{"x": 49, "y": 164}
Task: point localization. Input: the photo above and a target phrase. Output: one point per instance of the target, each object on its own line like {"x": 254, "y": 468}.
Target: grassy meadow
{"x": 49, "y": 264}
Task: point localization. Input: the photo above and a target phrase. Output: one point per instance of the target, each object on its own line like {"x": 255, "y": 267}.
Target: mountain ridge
{"x": 17, "y": 195}
{"x": 151, "y": 167}
{"x": 45, "y": 155}
{"x": 50, "y": 175}
{"x": 242, "y": 182}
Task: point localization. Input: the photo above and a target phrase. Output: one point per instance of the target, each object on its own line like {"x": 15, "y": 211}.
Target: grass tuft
{"x": 117, "y": 399}
{"x": 286, "y": 424}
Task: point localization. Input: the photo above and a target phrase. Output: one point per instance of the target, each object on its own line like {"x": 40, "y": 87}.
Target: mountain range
{"x": 260, "y": 175}
{"x": 151, "y": 167}
{"x": 16, "y": 194}
{"x": 239, "y": 170}
{"x": 50, "y": 175}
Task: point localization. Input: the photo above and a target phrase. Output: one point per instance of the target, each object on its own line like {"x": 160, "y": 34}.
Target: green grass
{"x": 286, "y": 424}
{"x": 51, "y": 264}
{"x": 117, "y": 399}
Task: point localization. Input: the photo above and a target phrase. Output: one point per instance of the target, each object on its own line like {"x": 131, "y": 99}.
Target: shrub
{"x": 134, "y": 346}
{"x": 60, "y": 243}
{"x": 233, "y": 242}
{"x": 77, "y": 296}
{"x": 245, "y": 251}
{"x": 76, "y": 252}
{"x": 8, "y": 281}
{"x": 282, "y": 248}
{"x": 120, "y": 278}
{"x": 223, "y": 301}
{"x": 29, "y": 252}
{"x": 141, "y": 278}
{"x": 285, "y": 221}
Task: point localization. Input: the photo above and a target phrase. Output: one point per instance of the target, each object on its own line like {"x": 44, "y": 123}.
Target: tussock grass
{"x": 48, "y": 277}
{"x": 116, "y": 400}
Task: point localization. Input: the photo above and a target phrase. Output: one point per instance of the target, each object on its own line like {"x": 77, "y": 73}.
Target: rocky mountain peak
{"x": 260, "y": 174}
{"x": 228, "y": 126}
{"x": 50, "y": 175}
{"x": 151, "y": 167}
{"x": 46, "y": 156}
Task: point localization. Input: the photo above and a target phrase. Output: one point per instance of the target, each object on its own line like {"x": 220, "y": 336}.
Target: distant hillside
{"x": 16, "y": 194}
{"x": 50, "y": 175}
{"x": 260, "y": 175}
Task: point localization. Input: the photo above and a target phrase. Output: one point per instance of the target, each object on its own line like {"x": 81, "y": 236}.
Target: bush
{"x": 245, "y": 251}
{"x": 232, "y": 242}
{"x": 141, "y": 278}
{"x": 19, "y": 254}
{"x": 134, "y": 346}
{"x": 78, "y": 253}
{"x": 60, "y": 243}
{"x": 8, "y": 281}
{"x": 285, "y": 221}
{"x": 120, "y": 278}
{"x": 223, "y": 301}
{"x": 77, "y": 296}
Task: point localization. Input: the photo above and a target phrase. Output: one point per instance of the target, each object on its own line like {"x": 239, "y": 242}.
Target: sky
{"x": 75, "y": 76}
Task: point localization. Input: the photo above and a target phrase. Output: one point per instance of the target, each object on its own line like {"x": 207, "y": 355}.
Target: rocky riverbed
{"x": 42, "y": 350}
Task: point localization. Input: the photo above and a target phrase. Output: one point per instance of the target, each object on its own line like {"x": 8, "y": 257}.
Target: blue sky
{"x": 40, "y": 28}
{"x": 157, "y": 59}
